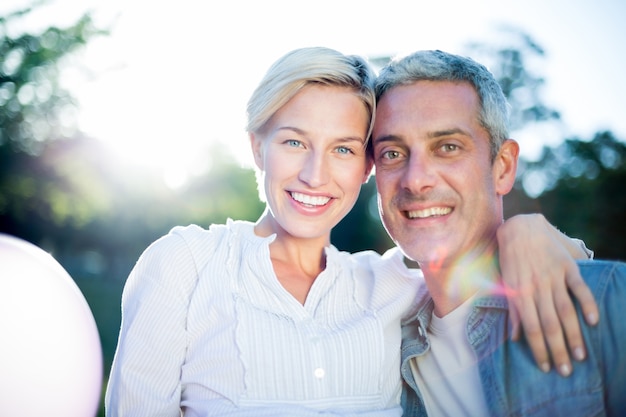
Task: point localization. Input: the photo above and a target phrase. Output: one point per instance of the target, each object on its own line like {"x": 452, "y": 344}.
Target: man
{"x": 443, "y": 163}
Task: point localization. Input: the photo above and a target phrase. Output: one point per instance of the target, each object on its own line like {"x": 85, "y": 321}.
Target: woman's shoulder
{"x": 362, "y": 258}
{"x": 192, "y": 244}
{"x": 199, "y": 239}
{"x": 176, "y": 259}
{"x": 181, "y": 241}
{"x": 382, "y": 282}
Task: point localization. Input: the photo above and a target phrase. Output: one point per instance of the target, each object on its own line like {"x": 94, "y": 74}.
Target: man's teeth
{"x": 309, "y": 199}
{"x": 429, "y": 212}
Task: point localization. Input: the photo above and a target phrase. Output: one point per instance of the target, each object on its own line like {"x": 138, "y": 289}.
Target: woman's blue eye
{"x": 343, "y": 150}
{"x": 293, "y": 142}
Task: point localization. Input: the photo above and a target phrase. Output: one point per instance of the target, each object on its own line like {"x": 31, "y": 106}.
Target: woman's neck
{"x": 297, "y": 261}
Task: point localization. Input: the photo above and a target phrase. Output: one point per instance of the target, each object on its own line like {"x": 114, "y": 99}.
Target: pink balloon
{"x": 50, "y": 352}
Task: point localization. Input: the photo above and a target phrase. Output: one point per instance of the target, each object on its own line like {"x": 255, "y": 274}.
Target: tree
{"x": 36, "y": 195}
{"x": 33, "y": 107}
{"x": 583, "y": 193}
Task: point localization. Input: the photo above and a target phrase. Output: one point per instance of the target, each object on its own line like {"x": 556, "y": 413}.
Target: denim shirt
{"x": 512, "y": 382}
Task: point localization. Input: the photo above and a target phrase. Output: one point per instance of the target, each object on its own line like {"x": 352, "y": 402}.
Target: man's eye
{"x": 449, "y": 147}
{"x": 391, "y": 155}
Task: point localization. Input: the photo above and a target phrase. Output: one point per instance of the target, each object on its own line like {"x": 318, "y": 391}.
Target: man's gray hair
{"x": 443, "y": 66}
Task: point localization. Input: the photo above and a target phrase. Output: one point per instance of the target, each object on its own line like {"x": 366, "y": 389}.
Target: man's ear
{"x": 256, "y": 143}
{"x": 505, "y": 167}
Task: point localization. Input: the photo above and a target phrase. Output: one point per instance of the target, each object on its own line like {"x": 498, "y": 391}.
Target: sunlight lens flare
{"x": 476, "y": 272}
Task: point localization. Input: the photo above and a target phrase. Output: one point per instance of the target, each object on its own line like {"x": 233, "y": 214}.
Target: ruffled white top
{"x": 207, "y": 329}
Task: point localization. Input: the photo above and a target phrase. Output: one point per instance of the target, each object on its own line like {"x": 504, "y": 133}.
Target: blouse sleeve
{"x": 146, "y": 370}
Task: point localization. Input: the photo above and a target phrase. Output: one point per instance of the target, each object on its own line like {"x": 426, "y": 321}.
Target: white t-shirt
{"x": 208, "y": 328}
{"x": 447, "y": 375}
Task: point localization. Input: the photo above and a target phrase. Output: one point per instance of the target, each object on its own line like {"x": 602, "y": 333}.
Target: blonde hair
{"x": 300, "y": 67}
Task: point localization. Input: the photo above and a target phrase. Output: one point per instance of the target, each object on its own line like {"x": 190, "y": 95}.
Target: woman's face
{"x": 313, "y": 160}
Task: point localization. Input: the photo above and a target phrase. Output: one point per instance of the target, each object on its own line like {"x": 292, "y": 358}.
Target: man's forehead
{"x": 430, "y": 98}
{"x": 416, "y": 89}
{"x": 428, "y": 110}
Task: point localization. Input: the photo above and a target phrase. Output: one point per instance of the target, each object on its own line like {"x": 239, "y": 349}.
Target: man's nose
{"x": 419, "y": 175}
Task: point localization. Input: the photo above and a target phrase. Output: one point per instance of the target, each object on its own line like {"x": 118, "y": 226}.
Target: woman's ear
{"x": 256, "y": 143}
{"x": 505, "y": 167}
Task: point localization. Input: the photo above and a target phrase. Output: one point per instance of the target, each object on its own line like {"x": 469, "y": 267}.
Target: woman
{"x": 268, "y": 318}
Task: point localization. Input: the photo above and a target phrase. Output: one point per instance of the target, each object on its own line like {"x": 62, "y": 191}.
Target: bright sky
{"x": 176, "y": 75}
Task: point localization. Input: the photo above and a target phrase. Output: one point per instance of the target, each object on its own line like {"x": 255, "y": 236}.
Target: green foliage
{"x": 76, "y": 198}
{"x": 582, "y": 185}
{"x": 33, "y": 107}
{"x": 226, "y": 191}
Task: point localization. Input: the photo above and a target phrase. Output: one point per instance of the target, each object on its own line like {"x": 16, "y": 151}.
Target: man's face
{"x": 439, "y": 192}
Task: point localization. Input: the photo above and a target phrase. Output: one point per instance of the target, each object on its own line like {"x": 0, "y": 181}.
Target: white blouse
{"x": 207, "y": 329}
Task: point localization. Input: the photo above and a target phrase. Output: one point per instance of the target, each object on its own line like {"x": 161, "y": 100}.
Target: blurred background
{"x": 121, "y": 119}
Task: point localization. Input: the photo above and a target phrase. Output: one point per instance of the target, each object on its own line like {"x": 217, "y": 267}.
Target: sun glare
{"x": 151, "y": 125}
